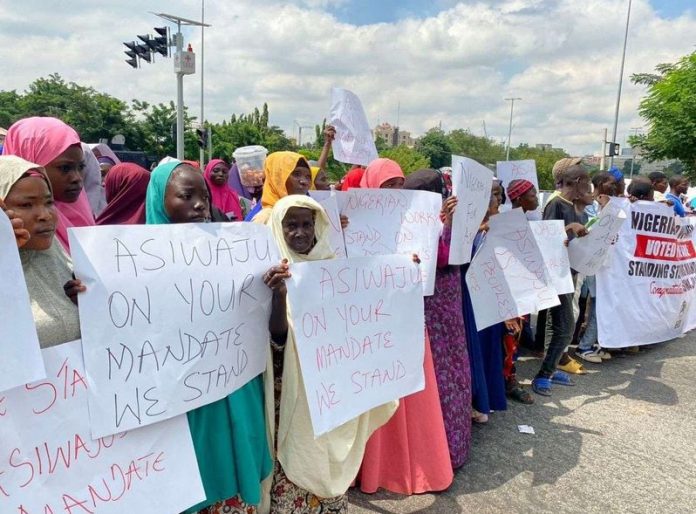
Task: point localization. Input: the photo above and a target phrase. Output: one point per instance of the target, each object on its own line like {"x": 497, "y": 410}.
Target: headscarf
{"x": 428, "y": 180}
{"x": 105, "y": 159}
{"x": 41, "y": 140}
{"x": 101, "y": 151}
{"x": 314, "y": 170}
{"x": 616, "y": 173}
{"x": 126, "y": 186}
{"x": 518, "y": 187}
{"x": 352, "y": 179}
{"x": 379, "y": 171}
{"x": 222, "y": 197}
{"x": 327, "y": 465}
{"x": 235, "y": 182}
{"x": 155, "y": 213}
{"x": 278, "y": 168}
{"x": 93, "y": 181}
{"x": 13, "y": 168}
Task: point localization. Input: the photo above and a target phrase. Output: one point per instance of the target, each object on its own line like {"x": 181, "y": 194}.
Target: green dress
{"x": 229, "y": 435}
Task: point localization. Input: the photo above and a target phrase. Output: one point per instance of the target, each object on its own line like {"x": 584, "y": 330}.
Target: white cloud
{"x": 560, "y": 56}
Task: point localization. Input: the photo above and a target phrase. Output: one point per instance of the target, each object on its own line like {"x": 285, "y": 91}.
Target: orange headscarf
{"x": 278, "y": 167}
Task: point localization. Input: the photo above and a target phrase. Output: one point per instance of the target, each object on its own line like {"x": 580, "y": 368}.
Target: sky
{"x": 442, "y": 61}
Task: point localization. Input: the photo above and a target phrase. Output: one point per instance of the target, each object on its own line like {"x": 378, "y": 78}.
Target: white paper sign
{"x": 471, "y": 184}
{"x": 550, "y": 237}
{"x": 20, "y": 356}
{"x": 507, "y": 171}
{"x": 359, "y": 329}
{"x": 389, "y": 221}
{"x": 341, "y": 198}
{"x": 645, "y": 293}
{"x": 588, "y": 254}
{"x": 174, "y": 317}
{"x": 330, "y": 206}
{"x": 50, "y": 464}
{"x": 353, "y": 143}
{"x": 507, "y": 277}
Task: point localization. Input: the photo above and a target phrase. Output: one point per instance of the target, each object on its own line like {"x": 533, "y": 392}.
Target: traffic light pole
{"x": 179, "y": 97}
{"x": 618, "y": 95}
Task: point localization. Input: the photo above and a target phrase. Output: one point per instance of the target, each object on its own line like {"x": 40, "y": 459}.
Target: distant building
{"x": 543, "y": 146}
{"x": 393, "y": 136}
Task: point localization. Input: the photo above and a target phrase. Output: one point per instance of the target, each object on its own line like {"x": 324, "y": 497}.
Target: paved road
{"x": 622, "y": 440}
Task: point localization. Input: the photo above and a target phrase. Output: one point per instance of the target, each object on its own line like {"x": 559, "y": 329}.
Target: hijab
{"x": 41, "y": 140}
{"x": 428, "y": 180}
{"x": 235, "y": 182}
{"x": 314, "y": 170}
{"x": 379, "y": 171}
{"x": 93, "y": 181}
{"x": 155, "y": 213}
{"x": 223, "y": 197}
{"x": 55, "y": 316}
{"x": 327, "y": 465}
{"x": 277, "y": 168}
{"x": 352, "y": 179}
{"x": 126, "y": 186}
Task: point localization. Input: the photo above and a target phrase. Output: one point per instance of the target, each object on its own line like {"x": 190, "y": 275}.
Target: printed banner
{"x": 174, "y": 317}
{"x": 49, "y": 463}
{"x": 507, "y": 277}
{"x": 359, "y": 330}
{"x": 588, "y": 254}
{"x": 550, "y": 237}
{"x": 20, "y": 356}
{"x": 471, "y": 184}
{"x": 353, "y": 143}
{"x": 645, "y": 293}
{"x": 330, "y": 205}
{"x": 395, "y": 221}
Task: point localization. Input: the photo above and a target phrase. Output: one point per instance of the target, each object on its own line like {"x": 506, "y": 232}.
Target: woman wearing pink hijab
{"x": 56, "y": 146}
{"x": 217, "y": 173}
{"x": 383, "y": 174}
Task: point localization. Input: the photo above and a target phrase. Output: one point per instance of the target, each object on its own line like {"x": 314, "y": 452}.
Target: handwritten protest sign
{"x": 330, "y": 205}
{"x": 50, "y": 464}
{"x": 174, "y": 317}
{"x": 20, "y": 357}
{"x": 507, "y": 171}
{"x": 471, "y": 184}
{"x": 341, "y": 198}
{"x": 550, "y": 237}
{"x": 359, "y": 330}
{"x": 353, "y": 143}
{"x": 389, "y": 221}
{"x": 588, "y": 254}
{"x": 507, "y": 277}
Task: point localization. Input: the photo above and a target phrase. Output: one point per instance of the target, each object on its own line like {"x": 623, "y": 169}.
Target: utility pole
{"x": 202, "y": 150}
{"x": 633, "y": 150}
{"x": 604, "y": 151}
{"x": 621, "y": 72}
{"x": 512, "y": 107}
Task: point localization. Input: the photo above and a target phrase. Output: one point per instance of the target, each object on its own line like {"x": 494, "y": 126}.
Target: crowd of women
{"x": 256, "y": 449}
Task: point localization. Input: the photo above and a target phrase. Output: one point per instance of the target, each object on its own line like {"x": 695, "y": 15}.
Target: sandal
{"x": 561, "y": 378}
{"x": 572, "y": 366}
{"x": 479, "y": 417}
{"x": 542, "y": 386}
{"x": 520, "y": 395}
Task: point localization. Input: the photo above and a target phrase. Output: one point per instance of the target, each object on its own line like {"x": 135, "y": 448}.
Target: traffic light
{"x": 162, "y": 41}
{"x": 132, "y": 59}
{"x": 614, "y": 149}
{"x": 202, "y": 134}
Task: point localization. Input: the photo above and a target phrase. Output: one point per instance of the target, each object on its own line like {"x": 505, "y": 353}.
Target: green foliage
{"x": 334, "y": 169}
{"x": 409, "y": 159}
{"x": 670, "y": 109}
{"x": 545, "y": 159}
{"x": 435, "y": 146}
{"x": 484, "y": 150}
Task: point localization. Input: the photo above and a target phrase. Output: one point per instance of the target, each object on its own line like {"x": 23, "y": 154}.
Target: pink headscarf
{"x": 378, "y": 172}
{"x": 41, "y": 140}
{"x": 223, "y": 197}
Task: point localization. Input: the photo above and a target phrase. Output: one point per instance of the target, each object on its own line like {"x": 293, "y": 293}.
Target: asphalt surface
{"x": 622, "y": 440}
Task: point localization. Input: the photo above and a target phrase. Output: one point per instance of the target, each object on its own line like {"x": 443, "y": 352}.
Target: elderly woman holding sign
{"x": 229, "y": 435}
{"x": 311, "y": 475}
{"x": 26, "y": 191}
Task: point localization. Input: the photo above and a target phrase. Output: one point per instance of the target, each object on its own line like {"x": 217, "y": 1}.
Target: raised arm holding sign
{"x": 174, "y": 317}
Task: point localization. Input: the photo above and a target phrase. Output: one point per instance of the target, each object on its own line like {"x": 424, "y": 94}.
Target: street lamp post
{"x": 512, "y": 107}
{"x": 621, "y": 72}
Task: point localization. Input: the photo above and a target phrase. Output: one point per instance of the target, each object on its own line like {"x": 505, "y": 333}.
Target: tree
{"x": 435, "y": 146}
{"x": 484, "y": 150}
{"x": 545, "y": 159}
{"x": 670, "y": 110}
{"x": 409, "y": 159}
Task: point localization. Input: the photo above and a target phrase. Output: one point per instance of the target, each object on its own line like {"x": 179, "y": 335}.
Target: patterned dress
{"x": 445, "y": 322}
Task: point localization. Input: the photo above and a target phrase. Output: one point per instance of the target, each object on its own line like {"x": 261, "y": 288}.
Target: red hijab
{"x": 125, "y": 185}
{"x": 223, "y": 197}
{"x": 352, "y": 179}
